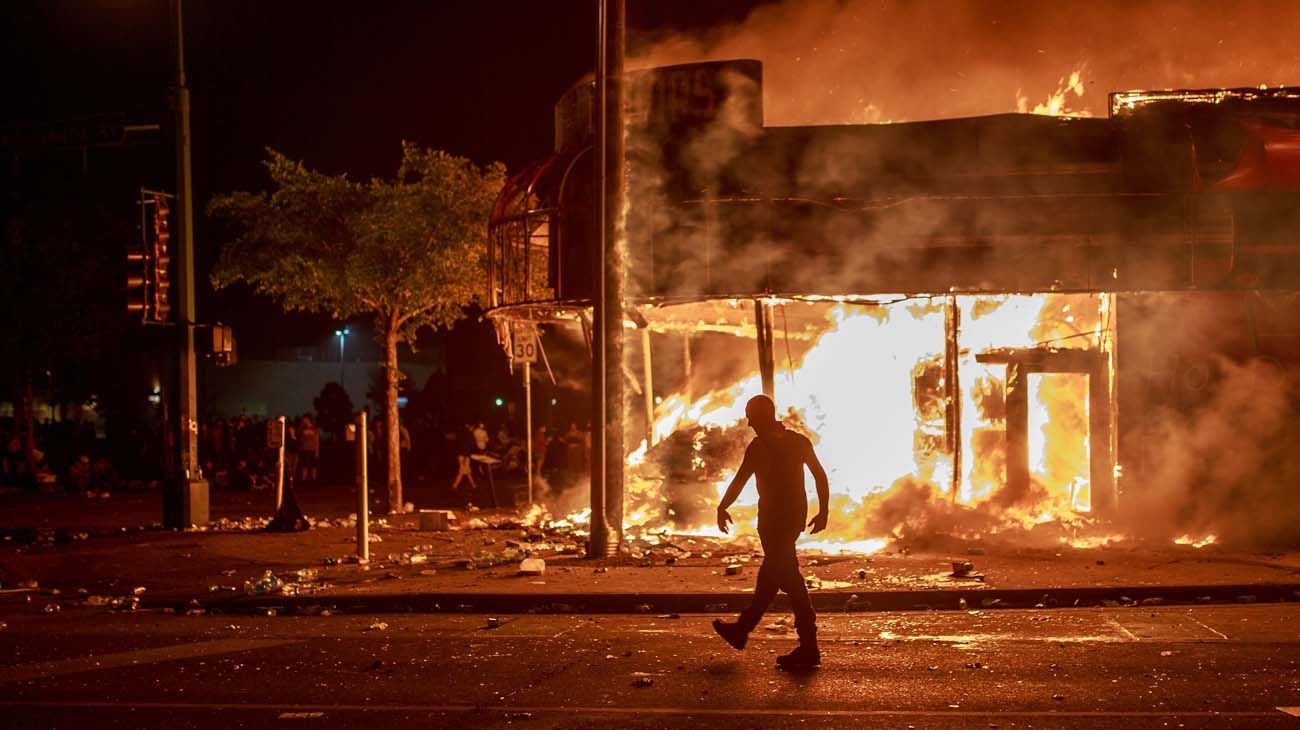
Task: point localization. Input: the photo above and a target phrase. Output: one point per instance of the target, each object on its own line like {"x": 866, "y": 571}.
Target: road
{"x": 1204, "y": 667}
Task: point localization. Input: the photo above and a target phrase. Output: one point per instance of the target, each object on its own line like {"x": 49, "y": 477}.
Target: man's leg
{"x": 765, "y": 589}
{"x": 807, "y": 654}
{"x": 792, "y": 582}
{"x": 737, "y": 634}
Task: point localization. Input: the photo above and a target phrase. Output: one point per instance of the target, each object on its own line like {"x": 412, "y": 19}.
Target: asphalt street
{"x": 1064, "y": 668}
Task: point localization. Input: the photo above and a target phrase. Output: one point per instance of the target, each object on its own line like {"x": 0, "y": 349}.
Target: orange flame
{"x": 855, "y": 389}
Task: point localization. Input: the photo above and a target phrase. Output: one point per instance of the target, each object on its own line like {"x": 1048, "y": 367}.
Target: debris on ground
{"x": 378, "y": 626}
{"x": 780, "y": 626}
{"x": 643, "y": 681}
{"x": 268, "y": 583}
{"x": 532, "y": 566}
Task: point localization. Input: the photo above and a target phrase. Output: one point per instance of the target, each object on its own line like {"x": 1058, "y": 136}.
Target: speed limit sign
{"x": 523, "y": 344}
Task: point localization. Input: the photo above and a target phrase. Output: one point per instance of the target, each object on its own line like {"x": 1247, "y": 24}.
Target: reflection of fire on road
{"x": 869, "y": 389}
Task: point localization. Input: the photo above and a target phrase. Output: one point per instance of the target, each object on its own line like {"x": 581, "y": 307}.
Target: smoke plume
{"x": 868, "y": 61}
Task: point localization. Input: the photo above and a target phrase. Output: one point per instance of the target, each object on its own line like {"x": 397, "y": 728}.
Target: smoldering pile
{"x": 677, "y": 482}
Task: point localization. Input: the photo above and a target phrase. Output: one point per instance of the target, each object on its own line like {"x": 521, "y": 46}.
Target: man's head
{"x": 761, "y": 412}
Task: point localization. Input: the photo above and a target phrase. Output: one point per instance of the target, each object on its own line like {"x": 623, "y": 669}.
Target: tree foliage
{"x": 407, "y": 251}
{"x": 334, "y": 409}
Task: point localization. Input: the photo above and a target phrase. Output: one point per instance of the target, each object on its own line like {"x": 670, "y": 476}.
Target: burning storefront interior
{"x": 938, "y": 305}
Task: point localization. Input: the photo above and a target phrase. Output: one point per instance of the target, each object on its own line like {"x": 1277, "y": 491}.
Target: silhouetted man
{"x": 777, "y": 457}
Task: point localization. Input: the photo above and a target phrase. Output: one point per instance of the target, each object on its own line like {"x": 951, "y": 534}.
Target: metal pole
{"x": 952, "y": 386}
{"x": 766, "y": 349}
{"x": 598, "y": 540}
{"x": 363, "y": 491}
{"x": 607, "y": 300}
{"x": 279, "y": 464}
{"x": 687, "y": 367}
{"x": 649, "y": 391}
{"x": 528, "y": 426}
{"x": 193, "y": 491}
{"x": 613, "y": 273}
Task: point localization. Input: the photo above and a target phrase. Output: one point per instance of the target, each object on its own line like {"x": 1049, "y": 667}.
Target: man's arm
{"x": 818, "y": 523}
{"x": 743, "y": 474}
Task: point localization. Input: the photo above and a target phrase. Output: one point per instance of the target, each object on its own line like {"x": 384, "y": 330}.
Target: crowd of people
{"x": 234, "y": 453}
{"x": 63, "y": 455}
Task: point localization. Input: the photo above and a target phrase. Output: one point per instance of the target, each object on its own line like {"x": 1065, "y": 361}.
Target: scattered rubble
{"x": 532, "y": 566}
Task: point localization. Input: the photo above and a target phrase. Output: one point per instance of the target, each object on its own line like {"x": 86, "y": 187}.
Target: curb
{"x": 660, "y": 603}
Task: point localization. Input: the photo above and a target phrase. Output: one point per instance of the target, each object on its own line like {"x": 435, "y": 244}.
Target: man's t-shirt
{"x": 777, "y": 462}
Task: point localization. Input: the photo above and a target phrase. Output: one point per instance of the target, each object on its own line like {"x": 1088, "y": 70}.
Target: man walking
{"x": 777, "y": 457}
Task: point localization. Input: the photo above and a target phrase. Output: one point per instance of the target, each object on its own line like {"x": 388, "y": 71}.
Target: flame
{"x": 865, "y": 390}
{"x": 1058, "y": 103}
{"x": 1196, "y": 542}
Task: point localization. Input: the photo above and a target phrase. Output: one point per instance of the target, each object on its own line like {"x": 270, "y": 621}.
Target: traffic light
{"x": 223, "y": 345}
{"x": 148, "y": 278}
{"x": 139, "y": 293}
{"x": 161, "y": 258}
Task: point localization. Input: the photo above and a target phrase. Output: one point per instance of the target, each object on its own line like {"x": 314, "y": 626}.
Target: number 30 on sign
{"x": 523, "y": 346}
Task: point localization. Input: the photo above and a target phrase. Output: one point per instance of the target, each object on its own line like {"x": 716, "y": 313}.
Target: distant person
{"x": 79, "y": 476}
{"x": 308, "y": 450}
{"x": 464, "y": 448}
{"x": 480, "y": 438}
{"x": 103, "y": 477}
{"x": 777, "y": 456}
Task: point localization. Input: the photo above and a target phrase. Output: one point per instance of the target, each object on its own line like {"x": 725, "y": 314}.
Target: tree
{"x": 408, "y": 251}
{"x": 334, "y": 409}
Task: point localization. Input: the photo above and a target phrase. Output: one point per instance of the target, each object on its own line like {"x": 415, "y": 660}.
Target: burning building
{"x": 1077, "y": 327}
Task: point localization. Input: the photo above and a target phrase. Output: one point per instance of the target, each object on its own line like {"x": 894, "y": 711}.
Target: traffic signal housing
{"x": 139, "y": 293}
{"x": 148, "y": 277}
{"x": 161, "y": 257}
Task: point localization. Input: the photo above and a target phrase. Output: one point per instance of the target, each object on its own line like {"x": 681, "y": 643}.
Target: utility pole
{"x": 187, "y": 502}
{"x": 607, "y": 300}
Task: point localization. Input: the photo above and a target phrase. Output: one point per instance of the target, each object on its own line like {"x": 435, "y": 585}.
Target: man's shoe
{"x": 803, "y": 657}
{"x": 732, "y": 633}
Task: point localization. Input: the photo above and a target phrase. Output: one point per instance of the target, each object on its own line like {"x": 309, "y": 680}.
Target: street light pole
{"x": 188, "y": 502}
{"x": 343, "y": 336}
{"x": 607, "y": 455}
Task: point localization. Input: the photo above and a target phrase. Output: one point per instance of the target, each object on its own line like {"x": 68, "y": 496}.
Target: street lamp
{"x": 343, "y": 336}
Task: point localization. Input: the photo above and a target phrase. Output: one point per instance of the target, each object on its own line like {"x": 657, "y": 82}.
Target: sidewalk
{"x": 93, "y": 551}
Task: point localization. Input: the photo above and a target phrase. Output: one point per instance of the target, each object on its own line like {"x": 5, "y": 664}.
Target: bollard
{"x": 363, "y": 492}
{"x": 275, "y": 439}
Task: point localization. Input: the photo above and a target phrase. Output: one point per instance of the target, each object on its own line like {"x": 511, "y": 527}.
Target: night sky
{"x": 338, "y": 85}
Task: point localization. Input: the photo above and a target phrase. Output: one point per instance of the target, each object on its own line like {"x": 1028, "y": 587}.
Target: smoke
{"x": 867, "y": 61}
{"x": 1219, "y": 463}
{"x": 1227, "y": 466}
